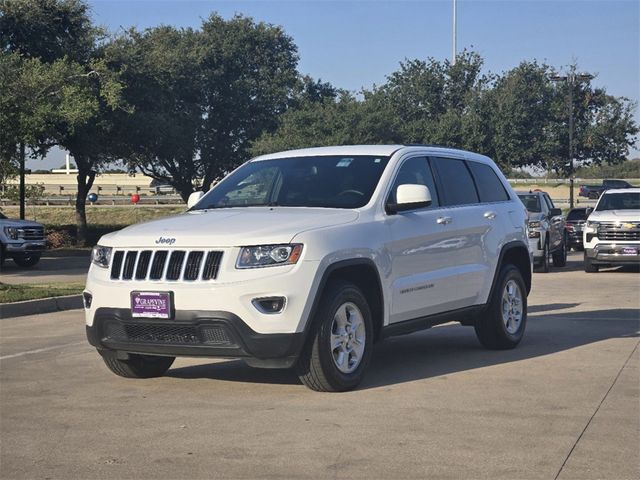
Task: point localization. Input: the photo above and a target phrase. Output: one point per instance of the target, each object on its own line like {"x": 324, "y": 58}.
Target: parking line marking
{"x": 40, "y": 350}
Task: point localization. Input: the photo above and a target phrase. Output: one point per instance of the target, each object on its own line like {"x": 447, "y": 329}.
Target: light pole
{"x": 455, "y": 32}
{"x": 571, "y": 79}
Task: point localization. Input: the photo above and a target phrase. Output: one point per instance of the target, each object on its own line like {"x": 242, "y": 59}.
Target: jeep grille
{"x": 170, "y": 265}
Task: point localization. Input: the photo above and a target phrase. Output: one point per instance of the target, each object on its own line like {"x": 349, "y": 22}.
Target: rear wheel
{"x": 502, "y": 325}
{"x": 138, "y": 366}
{"x": 339, "y": 351}
{"x": 27, "y": 260}
{"x": 589, "y": 266}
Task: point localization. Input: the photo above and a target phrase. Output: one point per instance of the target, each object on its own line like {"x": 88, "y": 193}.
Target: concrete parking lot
{"x": 564, "y": 404}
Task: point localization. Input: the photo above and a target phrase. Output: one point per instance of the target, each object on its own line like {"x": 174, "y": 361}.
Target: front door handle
{"x": 444, "y": 220}
{"x": 490, "y": 215}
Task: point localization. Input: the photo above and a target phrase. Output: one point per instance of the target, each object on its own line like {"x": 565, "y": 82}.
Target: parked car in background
{"x": 574, "y": 225}
{"x": 547, "y": 236}
{"x": 594, "y": 191}
{"x": 612, "y": 231}
{"x": 21, "y": 240}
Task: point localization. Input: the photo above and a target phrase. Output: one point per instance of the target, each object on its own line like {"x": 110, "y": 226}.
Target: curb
{"x": 42, "y": 305}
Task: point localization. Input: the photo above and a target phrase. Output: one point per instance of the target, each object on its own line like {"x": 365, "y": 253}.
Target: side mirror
{"x": 194, "y": 198}
{"x": 555, "y": 212}
{"x": 410, "y": 197}
{"x": 588, "y": 211}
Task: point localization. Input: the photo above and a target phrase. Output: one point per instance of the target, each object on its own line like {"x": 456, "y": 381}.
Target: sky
{"x": 356, "y": 44}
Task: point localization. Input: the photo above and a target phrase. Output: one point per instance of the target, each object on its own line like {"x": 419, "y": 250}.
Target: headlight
{"x": 591, "y": 226}
{"x": 13, "y": 232}
{"x": 268, "y": 255}
{"x": 101, "y": 256}
{"x": 534, "y": 224}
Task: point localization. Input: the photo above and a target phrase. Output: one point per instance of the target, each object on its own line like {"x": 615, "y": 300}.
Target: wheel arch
{"x": 517, "y": 254}
{"x": 363, "y": 273}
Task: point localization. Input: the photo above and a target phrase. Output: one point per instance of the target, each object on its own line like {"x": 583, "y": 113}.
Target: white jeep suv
{"x": 305, "y": 258}
{"x": 612, "y": 233}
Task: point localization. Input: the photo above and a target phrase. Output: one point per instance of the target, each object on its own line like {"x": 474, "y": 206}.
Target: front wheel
{"x": 502, "y": 325}
{"x": 589, "y": 266}
{"x": 138, "y": 366}
{"x": 339, "y": 351}
{"x": 27, "y": 260}
{"x": 560, "y": 255}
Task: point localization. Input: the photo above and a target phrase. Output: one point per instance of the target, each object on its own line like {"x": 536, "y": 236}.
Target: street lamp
{"x": 571, "y": 79}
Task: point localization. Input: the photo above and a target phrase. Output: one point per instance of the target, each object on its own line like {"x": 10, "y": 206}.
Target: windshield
{"x": 531, "y": 202}
{"x": 331, "y": 182}
{"x": 577, "y": 214}
{"x": 619, "y": 201}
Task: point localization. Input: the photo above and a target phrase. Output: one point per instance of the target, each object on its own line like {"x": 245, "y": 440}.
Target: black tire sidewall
{"x": 340, "y": 294}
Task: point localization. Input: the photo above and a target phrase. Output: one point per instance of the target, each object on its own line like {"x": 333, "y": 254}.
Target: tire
{"x": 27, "y": 260}
{"x": 138, "y": 366}
{"x": 590, "y": 267}
{"x": 2, "y": 257}
{"x": 560, "y": 255}
{"x": 579, "y": 248}
{"x": 344, "y": 321}
{"x": 496, "y": 328}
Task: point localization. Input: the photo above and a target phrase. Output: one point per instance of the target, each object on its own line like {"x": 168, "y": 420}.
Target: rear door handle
{"x": 444, "y": 220}
{"x": 490, "y": 215}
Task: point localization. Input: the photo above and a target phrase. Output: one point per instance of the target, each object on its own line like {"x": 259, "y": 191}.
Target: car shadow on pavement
{"x": 450, "y": 349}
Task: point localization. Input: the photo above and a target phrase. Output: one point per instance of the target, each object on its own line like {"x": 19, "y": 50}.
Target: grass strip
{"x": 16, "y": 293}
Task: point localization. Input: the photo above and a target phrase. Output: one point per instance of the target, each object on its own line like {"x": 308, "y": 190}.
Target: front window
{"x": 619, "y": 201}
{"x": 327, "y": 181}
{"x": 531, "y": 203}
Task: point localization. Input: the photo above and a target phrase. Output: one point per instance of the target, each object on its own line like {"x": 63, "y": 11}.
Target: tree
{"x": 522, "y": 117}
{"x": 199, "y": 97}
{"x": 249, "y": 72}
{"x": 47, "y": 29}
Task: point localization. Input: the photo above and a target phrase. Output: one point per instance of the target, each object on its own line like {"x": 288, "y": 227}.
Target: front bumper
{"x": 536, "y": 249}
{"x": 26, "y": 247}
{"x": 192, "y": 333}
{"x": 613, "y": 254}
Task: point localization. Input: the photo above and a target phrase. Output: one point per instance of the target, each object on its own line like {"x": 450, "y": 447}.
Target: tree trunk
{"x": 85, "y": 182}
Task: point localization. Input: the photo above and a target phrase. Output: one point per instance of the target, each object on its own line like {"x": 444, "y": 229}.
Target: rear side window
{"x": 457, "y": 185}
{"x": 489, "y": 185}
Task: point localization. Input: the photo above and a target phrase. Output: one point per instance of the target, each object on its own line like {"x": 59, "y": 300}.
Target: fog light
{"x": 86, "y": 299}
{"x": 269, "y": 305}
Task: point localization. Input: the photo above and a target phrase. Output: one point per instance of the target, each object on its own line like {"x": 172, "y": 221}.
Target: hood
{"x": 613, "y": 215}
{"x": 10, "y": 222}
{"x": 228, "y": 227}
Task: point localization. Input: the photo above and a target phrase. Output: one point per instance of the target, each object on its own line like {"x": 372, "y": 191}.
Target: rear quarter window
{"x": 490, "y": 188}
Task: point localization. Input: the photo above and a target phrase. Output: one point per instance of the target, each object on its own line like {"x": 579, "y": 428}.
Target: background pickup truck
{"x": 22, "y": 240}
{"x": 594, "y": 191}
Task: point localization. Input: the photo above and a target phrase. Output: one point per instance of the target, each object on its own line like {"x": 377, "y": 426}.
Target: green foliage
{"x": 519, "y": 118}
{"x": 47, "y": 29}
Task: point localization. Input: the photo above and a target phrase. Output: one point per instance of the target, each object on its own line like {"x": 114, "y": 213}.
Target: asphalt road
{"x": 54, "y": 266}
{"x": 564, "y": 404}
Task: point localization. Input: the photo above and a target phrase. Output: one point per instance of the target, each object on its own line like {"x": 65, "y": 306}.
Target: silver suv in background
{"x": 22, "y": 240}
{"x": 547, "y": 235}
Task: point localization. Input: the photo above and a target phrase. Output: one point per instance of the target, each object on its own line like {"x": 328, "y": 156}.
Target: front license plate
{"x": 629, "y": 251}
{"x": 151, "y": 304}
